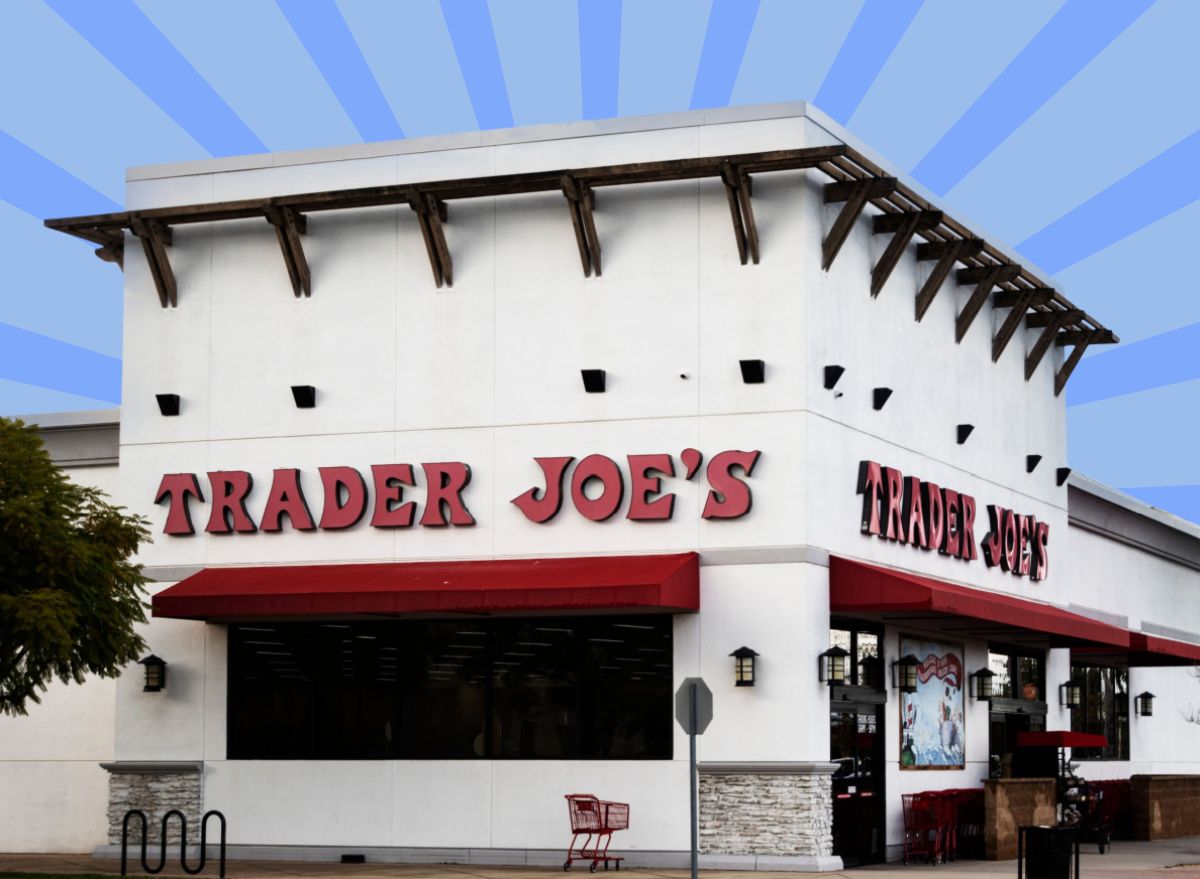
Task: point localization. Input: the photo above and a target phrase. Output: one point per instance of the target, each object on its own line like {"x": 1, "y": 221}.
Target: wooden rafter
{"x": 985, "y": 278}
{"x": 1052, "y": 324}
{"x": 155, "y": 237}
{"x": 855, "y": 194}
{"x": 904, "y": 225}
{"x": 289, "y": 226}
{"x": 1059, "y": 318}
{"x": 947, "y": 253}
{"x": 431, "y": 213}
{"x": 581, "y": 201}
{"x": 737, "y": 194}
{"x": 1031, "y": 296}
{"x": 1064, "y": 371}
{"x": 1019, "y": 301}
{"x": 1096, "y": 337}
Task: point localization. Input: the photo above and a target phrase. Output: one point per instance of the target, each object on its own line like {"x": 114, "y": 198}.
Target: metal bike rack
{"x": 162, "y": 857}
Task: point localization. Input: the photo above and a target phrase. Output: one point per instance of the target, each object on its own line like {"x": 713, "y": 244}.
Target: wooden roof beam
{"x": 1064, "y": 371}
{"x": 985, "y": 279}
{"x": 855, "y": 194}
{"x": 1054, "y": 322}
{"x": 1073, "y": 337}
{"x": 1060, "y": 318}
{"x": 737, "y": 194}
{"x": 156, "y": 237}
{"x": 1031, "y": 296}
{"x": 903, "y": 226}
{"x": 431, "y": 212}
{"x": 947, "y": 253}
{"x": 289, "y": 226}
{"x": 581, "y": 201}
{"x": 1019, "y": 301}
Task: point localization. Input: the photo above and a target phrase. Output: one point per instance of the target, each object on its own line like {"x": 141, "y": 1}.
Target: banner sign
{"x": 932, "y": 722}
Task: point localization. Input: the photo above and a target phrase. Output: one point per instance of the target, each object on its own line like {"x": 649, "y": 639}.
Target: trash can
{"x": 1045, "y": 852}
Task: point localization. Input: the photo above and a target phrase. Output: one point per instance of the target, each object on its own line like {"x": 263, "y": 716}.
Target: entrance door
{"x": 856, "y": 746}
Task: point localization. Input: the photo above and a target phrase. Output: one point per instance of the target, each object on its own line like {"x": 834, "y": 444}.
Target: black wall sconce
{"x": 1070, "y": 694}
{"x": 879, "y": 397}
{"x": 305, "y": 396}
{"x": 168, "y": 404}
{"x": 594, "y": 380}
{"x": 754, "y": 372}
{"x": 963, "y": 431}
{"x": 1031, "y": 462}
{"x": 1144, "y": 704}
{"x": 1061, "y": 474}
{"x": 833, "y": 372}
{"x": 833, "y": 666}
{"x": 156, "y": 674}
{"x": 981, "y": 684}
{"x": 743, "y": 666}
{"x": 904, "y": 673}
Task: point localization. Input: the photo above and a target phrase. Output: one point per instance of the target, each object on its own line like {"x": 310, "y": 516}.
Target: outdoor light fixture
{"x": 833, "y": 372}
{"x": 594, "y": 380}
{"x": 904, "y": 673}
{"x": 879, "y": 397}
{"x": 1070, "y": 694}
{"x": 964, "y": 431}
{"x": 1144, "y": 704}
{"x": 156, "y": 673}
{"x": 1031, "y": 462}
{"x": 743, "y": 666}
{"x": 305, "y": 396}
{"x": 754, "y": 372}
{"x": 833, "y": 666}
{"x": 1061, "y": 474}
{"x": 982, "y": 684}
{"x": 168, "y": 404}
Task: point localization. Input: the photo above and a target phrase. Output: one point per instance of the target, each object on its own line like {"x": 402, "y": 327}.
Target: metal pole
{"x": 692, "y": 777}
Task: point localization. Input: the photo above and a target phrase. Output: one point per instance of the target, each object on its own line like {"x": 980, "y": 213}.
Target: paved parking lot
{"x": 1178, "y": 858}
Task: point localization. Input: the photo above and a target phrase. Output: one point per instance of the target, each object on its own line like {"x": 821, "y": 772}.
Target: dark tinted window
{"x": 1103, "y": 709}
{"x": 545, "y": 688}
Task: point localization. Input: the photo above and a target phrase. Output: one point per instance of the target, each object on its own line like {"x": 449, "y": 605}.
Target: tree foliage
{"x": 69, "y": 595}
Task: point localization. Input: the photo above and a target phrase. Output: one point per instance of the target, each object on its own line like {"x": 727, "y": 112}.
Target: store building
{"x": 462, "y": 452}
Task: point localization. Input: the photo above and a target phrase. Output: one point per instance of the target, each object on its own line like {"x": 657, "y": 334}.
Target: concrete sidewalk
{"x": 1178, "y": 858}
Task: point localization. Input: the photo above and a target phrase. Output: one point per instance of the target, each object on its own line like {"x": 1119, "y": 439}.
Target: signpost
{"x": 694, "y": 712}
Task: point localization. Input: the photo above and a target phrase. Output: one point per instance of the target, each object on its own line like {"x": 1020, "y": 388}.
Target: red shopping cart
{"x": 595, "y": 820}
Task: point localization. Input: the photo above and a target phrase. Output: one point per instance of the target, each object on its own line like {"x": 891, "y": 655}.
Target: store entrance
{"x": 856, "y": 746}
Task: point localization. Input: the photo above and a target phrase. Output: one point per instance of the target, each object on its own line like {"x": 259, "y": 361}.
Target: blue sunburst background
{"x": 1070, "y": 129}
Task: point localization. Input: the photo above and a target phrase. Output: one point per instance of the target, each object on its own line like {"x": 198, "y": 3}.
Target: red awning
{"x": 1145, "y": 651}
{"x": 649, "y": 583}
{"x": 1059, "y": 738}
{"x": 855, "y": 587}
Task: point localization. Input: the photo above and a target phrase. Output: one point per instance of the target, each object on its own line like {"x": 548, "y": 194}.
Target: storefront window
{"x": 547, "y": 688}
{"x": 1104, "y": 709}
{"x": 862, "y": 644}
{"x": 1017, "y": 675}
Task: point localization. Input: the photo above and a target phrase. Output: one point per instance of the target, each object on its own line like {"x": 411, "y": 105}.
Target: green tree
{"x": 69, "y": 596}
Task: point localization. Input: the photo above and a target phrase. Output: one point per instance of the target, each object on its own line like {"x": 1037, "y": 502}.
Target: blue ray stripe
{"x": 327, "y": 38}
{"x": 874, "y": 35}
{"x": 34, "y": 359}
{"x": 1165, "y": 359}
{"x": 1182, "y": 500}
{"x": 729, "y": 26}
{"x": 34, "y": 184}
{"x": 1161, "y": 186}
{"x": 1077, "y": 33}
{"x": 599, "y": 56}
{"x": 470, "y": 26}
{"x": 123, "y": 34}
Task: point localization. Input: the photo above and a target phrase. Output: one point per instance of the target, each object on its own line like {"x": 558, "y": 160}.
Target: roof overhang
{"x": 634, "y": 583}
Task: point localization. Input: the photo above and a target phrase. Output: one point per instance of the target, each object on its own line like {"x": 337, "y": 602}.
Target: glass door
{"x": 856, "y": 746}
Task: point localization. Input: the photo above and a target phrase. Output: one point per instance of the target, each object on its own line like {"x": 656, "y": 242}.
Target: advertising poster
{"x": 932, "y": 728}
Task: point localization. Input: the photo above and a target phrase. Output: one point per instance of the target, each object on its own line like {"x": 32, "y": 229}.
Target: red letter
{"x": 914, "y": 516}
{"x": 229, "y": 488}
{"x": 870, "y": 486}
{"x": 609, "y": 474}
{"x": 444, "y": 484}
{"x": 966, "y": 527}
{"x": 546, "y": 507}
{"x": 893, "y": 501}
{"x": 1009, "y": 561}
{"x": 286, "y": 498}
{"x": 994, "y": 542}
{"x": 935, "y": 515}
{"x": 949, "y": 544}
{"x": 335, "y": 514}
{"x": 642, "y": 485}
{"x": 1026, "y": 528}
{"x": 390, "y": 480}
{"x": 728, "y": 496}
{"x": 177, "y": 487}
{"x": 1041, "y": 552}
